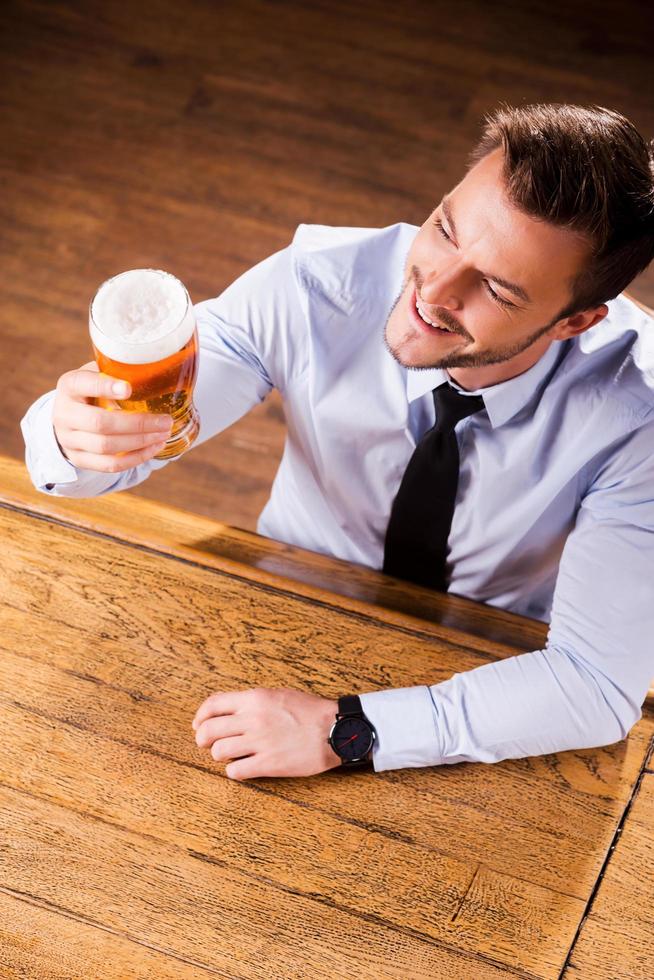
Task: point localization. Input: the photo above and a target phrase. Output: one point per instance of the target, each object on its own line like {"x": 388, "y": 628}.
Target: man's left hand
{"x": 269, "y": 731}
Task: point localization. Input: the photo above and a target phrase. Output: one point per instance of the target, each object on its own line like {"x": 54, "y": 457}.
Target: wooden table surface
{"x": 125, "y": 851}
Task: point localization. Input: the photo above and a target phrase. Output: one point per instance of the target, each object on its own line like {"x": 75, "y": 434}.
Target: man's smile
{"x": 420, "y": 318}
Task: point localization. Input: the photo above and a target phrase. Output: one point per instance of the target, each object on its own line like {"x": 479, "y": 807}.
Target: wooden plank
{"x": 153, "y": 629}
{"x": 416, "y": 806}
{"x": 201, "y": 911}
{"x": 219, "y": 821}
{"x": 319, "y": 577}
{"x": 316, "y": 576}
{"x": 278, "y": 643}
{"x": 45, "y": 943}
{"x": 616, "y": 937}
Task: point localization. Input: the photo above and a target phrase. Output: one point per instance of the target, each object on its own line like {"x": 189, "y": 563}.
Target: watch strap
{"x": 350, "y": 704}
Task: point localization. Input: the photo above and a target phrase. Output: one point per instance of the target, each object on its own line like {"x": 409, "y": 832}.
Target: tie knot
{"x": 451, "y": 406}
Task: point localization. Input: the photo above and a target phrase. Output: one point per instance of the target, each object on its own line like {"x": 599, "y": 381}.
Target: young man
{"x": 489, "y": 429}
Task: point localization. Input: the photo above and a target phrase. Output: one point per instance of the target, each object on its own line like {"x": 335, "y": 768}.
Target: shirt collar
{"x": 501, "y": 401}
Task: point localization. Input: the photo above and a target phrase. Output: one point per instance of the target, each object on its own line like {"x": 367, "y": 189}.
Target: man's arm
{"x": 246, "y": 346}
{"x": 587, "y": 686}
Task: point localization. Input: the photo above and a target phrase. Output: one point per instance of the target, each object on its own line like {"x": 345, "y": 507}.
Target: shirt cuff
{"x": 406, "y": 725}
{"x": 45, "y": 461}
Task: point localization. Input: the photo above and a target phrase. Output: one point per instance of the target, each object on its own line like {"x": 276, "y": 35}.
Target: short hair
{"x": 587, "y": 169}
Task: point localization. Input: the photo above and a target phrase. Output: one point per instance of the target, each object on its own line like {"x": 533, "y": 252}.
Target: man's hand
{"x": 95, "y": 438}
{"x": 270, "y": 732}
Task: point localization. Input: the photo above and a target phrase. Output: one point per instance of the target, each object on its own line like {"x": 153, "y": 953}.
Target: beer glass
{"x": 143, "y": 331}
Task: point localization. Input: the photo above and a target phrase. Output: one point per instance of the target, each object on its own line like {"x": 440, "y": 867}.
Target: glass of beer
{"x": 143, "y": 331}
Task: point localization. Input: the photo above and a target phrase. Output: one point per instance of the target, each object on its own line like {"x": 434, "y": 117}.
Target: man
{"x": 504, "y": 398}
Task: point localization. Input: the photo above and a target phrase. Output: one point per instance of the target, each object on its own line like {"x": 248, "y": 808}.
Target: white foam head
{"x": 141, "y": 316}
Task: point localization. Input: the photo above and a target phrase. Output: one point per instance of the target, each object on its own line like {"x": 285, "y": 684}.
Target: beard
{"x": 459, "y": 359}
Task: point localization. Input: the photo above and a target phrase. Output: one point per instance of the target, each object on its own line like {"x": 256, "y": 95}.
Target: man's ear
{"x": 572, "y": 326}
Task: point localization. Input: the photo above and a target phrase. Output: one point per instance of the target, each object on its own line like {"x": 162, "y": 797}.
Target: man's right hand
{"x": 94, "y": 438}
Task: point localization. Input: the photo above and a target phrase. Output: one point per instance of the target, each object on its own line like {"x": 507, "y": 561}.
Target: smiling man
{"x": 464, "y": 306}
{"x": 470, "y": 405}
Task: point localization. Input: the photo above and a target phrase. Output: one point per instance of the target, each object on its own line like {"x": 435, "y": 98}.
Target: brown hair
{"x": 587, "y": 169}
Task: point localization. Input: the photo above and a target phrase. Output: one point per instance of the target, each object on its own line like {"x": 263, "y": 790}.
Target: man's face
{"x": 492, "y": 275}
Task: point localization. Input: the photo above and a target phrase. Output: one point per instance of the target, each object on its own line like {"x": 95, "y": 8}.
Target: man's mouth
{"x": 421, "y": 317}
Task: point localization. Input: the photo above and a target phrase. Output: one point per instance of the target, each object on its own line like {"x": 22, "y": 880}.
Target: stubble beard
{"x": 460, "y": 359}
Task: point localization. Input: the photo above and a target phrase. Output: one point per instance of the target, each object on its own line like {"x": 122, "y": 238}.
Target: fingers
{"x": 222, "y": 727}
{"x": 89, "y": 418}
{"x": 92, "y": 438}
{"x": 85, "y": 383}
{"x": 108, "y": 445}
{"x": 225, "y": 737}
{"x": 95, "y": 438}
{"x": 222, "y": 703}
{"x": 112, "y": 464}
{"x": 230, "y": 748}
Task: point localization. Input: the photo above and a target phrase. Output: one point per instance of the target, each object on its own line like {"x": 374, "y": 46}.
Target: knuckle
{"x": 257, "y": 720}
{"x": 75, "y": 386}
{"x": 258, "y": 697}
{"x": 97, "y": 422}
{"x": 103, "y": 444}
{"x": 63, "y": 382}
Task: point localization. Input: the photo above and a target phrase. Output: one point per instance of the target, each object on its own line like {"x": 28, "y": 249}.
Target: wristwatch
{"x": 352, "y": 736}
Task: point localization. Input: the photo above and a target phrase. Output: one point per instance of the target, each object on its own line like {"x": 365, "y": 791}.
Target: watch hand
{"x": 348, "y": 740}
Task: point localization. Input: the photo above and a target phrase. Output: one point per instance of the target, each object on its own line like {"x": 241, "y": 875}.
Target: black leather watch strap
{"x": 350, "y": 704}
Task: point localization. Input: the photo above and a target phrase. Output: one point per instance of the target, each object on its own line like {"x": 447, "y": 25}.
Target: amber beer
{"x": 143, "y": 331}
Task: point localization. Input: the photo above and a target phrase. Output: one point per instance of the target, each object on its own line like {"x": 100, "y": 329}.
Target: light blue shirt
{"x": 554, "y": 516}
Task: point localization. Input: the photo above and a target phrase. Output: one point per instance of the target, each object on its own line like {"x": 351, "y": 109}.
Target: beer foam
{"x": 141, "y": 316}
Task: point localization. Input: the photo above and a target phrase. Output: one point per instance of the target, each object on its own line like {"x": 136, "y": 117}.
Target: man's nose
{"x": 443, "y": 286}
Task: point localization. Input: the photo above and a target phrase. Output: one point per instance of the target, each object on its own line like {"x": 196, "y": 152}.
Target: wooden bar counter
{"x": 127, "y": 853}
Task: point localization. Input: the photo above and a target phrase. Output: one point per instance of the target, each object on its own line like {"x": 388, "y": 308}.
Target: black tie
{"x": 421, "y": 515}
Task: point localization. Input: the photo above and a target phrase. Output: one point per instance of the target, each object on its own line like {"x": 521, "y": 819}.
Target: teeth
{"x": 430, "y": 322}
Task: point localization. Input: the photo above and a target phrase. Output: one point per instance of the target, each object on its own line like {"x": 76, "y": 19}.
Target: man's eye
{"x": 439, "y": 225}
{"x": 496, "y": 297}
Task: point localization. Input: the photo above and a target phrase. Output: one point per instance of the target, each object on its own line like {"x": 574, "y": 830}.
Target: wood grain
{"x": 55, "y": 944}
{"x": 615, "y": 942}
{"x": 196, "y": 139}
{"x": 201, "y": 910}
{"x": 456, "y": 871}
{"x": 317, "y": 576}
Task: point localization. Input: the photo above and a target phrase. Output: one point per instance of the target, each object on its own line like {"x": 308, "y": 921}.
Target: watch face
{"x": 351, "y": 739}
